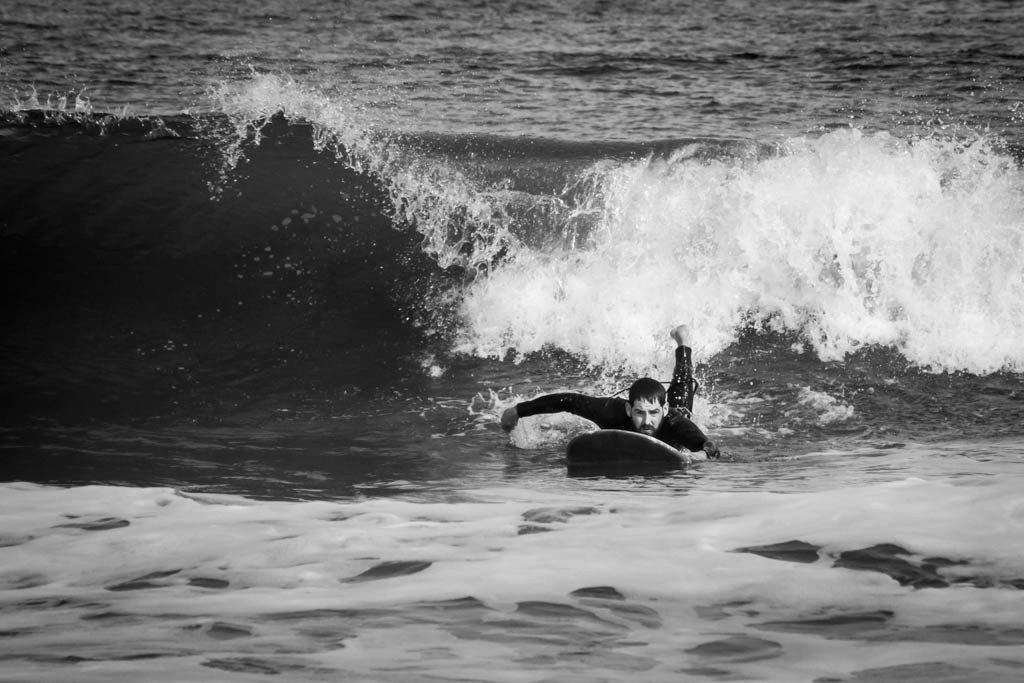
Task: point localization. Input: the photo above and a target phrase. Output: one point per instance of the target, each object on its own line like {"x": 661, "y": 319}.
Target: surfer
{"x": 644, "y": 410}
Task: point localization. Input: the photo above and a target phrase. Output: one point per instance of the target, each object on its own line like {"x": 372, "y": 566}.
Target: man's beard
{"x": 648, "y": 430}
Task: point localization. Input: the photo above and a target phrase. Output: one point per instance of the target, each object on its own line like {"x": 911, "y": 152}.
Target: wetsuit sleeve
{"x": 679, "y": 431}
{"x": 683, "y": 386}
{"x": 607, "y": 413}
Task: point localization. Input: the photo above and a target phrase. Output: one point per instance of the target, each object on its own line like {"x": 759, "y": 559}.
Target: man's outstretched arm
{"x": 606, "y": 412}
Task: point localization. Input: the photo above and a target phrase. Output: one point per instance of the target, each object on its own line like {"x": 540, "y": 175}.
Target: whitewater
{"x": 274, "y": 271}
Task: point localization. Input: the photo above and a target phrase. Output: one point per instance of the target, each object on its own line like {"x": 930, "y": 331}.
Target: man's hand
{"x": 680, "y": 334}
{"x": 509, "y": 419}
{"x": 711, "y": 449}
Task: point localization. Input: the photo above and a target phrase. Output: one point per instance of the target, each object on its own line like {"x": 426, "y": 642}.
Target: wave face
{"x": 288, "y": 246}
{"x": 142, "y": 278}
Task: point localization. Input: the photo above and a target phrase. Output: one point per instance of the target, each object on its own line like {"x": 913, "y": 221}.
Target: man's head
{"x": 646, "y": 405}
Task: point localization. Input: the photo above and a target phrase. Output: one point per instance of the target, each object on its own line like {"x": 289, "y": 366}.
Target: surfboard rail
{"x": 618, "y": 447}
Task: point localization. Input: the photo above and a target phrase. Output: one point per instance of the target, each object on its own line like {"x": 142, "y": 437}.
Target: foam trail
{"x": 849, "y": 240}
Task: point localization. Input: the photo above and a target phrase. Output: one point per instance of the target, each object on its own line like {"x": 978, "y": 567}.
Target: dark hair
{"x": 648, "y": 389}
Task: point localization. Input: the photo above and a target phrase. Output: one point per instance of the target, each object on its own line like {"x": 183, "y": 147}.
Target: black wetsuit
{"x": 676, "y": 428}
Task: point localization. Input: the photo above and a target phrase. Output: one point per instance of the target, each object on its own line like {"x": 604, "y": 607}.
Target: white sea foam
{"x": 849, "y": 239}
{"x": 828, "y": 409}
{"x": 161, "y": 585}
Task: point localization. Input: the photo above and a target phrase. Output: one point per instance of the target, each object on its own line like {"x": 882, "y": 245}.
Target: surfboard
{"x": 617, "y": 447}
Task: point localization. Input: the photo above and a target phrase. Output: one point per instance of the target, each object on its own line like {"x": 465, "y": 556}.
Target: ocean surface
{"x": 272, "y": 271}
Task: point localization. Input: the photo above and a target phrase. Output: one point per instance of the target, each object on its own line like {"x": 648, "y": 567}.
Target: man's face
{"x": 646, "y": 415}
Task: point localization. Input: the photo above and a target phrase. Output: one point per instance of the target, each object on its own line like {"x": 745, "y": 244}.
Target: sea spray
{"x": 848, "y": 240}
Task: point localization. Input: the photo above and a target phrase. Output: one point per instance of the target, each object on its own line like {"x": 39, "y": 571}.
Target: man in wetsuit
{"x": 644, "y": 411}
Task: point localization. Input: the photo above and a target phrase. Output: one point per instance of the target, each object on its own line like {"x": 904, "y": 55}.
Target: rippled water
{"x": 575, "y": 70}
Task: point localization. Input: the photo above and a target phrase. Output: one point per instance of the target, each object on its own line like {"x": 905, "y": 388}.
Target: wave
{"x": 293, "y": 220}
{"x": 850, "y": 239}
